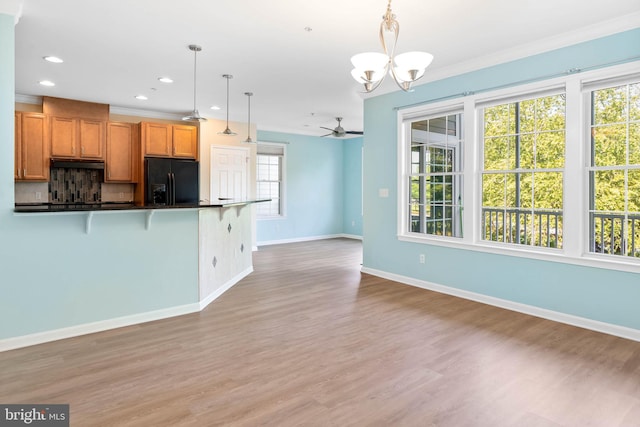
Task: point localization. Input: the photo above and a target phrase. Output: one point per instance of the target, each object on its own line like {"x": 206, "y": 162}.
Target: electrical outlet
{"x": 353, "y": 223}
{"x": 422, "y": 258}
{"x": 38, "y": 195}
{"x": 121, "y": 196}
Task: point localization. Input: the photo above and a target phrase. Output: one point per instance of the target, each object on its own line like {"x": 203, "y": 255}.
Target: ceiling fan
{"x": 339, "y": 131}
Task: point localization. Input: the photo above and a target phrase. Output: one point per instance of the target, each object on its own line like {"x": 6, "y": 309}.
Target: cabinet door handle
{"x": 24, "y": 172}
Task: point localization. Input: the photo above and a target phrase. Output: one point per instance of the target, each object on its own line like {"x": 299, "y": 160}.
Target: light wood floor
{"x": 307, "y": 340}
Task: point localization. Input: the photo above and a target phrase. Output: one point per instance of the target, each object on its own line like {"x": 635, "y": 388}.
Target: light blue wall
{"x": 598, "y": 294}
{"x": 352, "y": 186}
{"x": 314, "y": 193}
{"x": 53, "y": 275}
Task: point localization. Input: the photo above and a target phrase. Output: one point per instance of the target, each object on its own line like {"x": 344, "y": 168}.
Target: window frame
{"x": 575, "y": 189}
{"x": 587, "y": 88}
{"x": 457, "y": 173}
{"x": 523, "y": 97}
{"x": 282, "y": 148}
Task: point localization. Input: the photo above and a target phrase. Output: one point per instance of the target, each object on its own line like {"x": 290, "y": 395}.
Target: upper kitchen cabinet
{"x": 32, "y": 154}
{"x": 77, "y": 138}
{"x": 77, "y": 129}
{"x": 156, "y": 139}
{"x": 185, "y": 141}
{"x": 166, "y": 140}
{"x": 120, "y": 164}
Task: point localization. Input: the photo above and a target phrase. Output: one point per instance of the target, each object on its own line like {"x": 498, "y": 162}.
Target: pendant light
{"x": 249, "y": 140}
{"x": 227, "y": 131}
{"x": 194, "y": 116}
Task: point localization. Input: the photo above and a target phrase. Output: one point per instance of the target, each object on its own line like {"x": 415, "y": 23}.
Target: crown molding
{"x": 12, "y": 8}
{"x": 124, "y": 111}
{"x": 28, "y": 99}
{"x": 581, "y": 35}
{"x": 114, "y": 109}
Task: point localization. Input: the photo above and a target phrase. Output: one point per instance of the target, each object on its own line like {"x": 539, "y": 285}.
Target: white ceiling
{"x": 116, "y": 49}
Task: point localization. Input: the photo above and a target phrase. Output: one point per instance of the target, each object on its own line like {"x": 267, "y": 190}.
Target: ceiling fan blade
{"x": 327, "y": 134}
{"x": 322, "y": 127}
{"x": 355, "y": 132}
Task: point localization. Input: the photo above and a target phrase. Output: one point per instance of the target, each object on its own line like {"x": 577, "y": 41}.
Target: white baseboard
{"x": 90, "y": 328}
{"x": 118, "y": 322}
{"x": 308, "y": 239}
{"x": 351, "y": 236}
{"x": 224, "y": 288}
{"x": 581, "y": 322}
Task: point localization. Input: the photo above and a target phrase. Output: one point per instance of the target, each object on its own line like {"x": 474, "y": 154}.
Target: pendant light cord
{"x": 195, "y": 56}
{"x": 228, "y": 77}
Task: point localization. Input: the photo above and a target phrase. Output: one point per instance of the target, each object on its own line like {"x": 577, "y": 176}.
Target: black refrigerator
{"x": 171, "y": 181}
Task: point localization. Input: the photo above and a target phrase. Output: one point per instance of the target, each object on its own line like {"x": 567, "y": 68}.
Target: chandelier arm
{"x": 379, "y": 82}
{"x": 401, "y": 82}
{"x": 394, "y": 27}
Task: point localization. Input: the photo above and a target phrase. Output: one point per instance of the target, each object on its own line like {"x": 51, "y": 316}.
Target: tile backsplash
{"x": 39, "y": 192}
{"x": 31, "y": 192}
{"x": 74, "y": 185}
{"x": 116, "y": 192}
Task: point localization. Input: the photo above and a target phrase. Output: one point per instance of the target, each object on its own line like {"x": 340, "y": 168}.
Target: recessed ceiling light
{"x": 141, "y": 97}
{"x": 53, "y": 59}
{"x": 215, "y": 107}
{"x": 165, "y": 79}
{"x": 47, "y": 83}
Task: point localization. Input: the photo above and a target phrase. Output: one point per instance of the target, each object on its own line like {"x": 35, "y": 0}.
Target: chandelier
{"x": 370, "y": 68}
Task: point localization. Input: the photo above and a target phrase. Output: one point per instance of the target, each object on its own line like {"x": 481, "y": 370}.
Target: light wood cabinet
{"x": 120, "y": 164}
{"x": 92, "y": 138}
{"x": 185, "y": 141}
{"x": 157, "y": 139}
{"x": 17, "y": 168}
{"x": 166, "y": 140}
{"x": 77, "y": 138}
{"x": 31, "y": 151}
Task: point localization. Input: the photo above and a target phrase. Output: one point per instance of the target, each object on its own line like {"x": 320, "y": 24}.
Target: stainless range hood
{"x": 77, "y": 164}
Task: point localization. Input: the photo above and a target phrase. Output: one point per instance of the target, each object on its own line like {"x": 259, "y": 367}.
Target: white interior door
{"x": 229, "y": 173}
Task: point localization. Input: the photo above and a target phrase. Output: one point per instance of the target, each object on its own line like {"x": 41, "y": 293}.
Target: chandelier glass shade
{"x": 370, "y": 68}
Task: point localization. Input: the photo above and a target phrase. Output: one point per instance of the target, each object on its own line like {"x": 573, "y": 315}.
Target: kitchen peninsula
{"x": 123, "y": 262}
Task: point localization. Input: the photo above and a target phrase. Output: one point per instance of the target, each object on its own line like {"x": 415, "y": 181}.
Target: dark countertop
{"x": 116, "y": 206}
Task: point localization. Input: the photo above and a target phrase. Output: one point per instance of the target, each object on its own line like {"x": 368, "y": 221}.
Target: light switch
{"x": 383, "y": 192}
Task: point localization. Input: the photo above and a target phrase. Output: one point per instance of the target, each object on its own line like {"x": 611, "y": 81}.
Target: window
{"x": 550, "y": 170}
{"x": 435, "y": 179}
{"x": 269, "y": 164}
{"x": 614, "y": 172}
{"x": 522, "y": 175}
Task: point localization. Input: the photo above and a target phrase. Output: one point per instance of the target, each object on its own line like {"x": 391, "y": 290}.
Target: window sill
{"x": 270, "y": 218}
{"x": 610, "y": 262}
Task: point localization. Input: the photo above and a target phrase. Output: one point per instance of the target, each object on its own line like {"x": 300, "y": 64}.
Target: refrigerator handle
{"x": 173, "y": 188}
{"x": 169, "y": 188}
